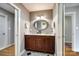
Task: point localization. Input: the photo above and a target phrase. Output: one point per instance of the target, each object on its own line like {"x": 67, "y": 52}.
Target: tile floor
{"x": 33, "y": 53}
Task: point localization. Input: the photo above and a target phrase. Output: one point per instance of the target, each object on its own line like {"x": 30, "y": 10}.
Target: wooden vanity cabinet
{"x": 40, "y": 43}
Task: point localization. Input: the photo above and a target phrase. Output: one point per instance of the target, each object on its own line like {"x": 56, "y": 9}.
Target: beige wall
{"x": 47, "y": 14}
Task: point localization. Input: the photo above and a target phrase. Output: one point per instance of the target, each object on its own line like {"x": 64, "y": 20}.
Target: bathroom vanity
{"x": 41, "y": 33}
{"x": 41, "y": 43}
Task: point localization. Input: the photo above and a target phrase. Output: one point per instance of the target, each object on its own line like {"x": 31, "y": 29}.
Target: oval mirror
{"x": 41, "y": 25}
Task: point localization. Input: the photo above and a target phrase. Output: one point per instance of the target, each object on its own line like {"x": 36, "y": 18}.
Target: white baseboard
{"x": 22, "y": 52}
{"x": 67, "y": 42}
{"x": 6, "y": 46}
{"x": 76, "y": 50}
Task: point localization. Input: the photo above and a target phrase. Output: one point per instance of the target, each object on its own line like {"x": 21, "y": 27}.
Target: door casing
{"x": 17, "y": 29}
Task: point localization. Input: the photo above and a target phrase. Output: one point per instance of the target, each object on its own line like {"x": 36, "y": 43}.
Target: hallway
{"x": 68, "y": 50}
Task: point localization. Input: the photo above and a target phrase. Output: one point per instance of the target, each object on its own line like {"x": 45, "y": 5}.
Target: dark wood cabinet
{"x": 40, "y": 43}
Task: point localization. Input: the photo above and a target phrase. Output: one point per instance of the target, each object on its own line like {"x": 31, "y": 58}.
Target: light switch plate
{"x": 76, "y": 28}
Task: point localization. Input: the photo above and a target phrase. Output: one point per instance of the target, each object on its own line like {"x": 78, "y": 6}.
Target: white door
{"x": 3, "y": 32}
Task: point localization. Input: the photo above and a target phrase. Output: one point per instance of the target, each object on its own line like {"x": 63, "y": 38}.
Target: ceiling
{"x": 71, "y": 4}
{"x": 7, "y": 7}
{"x": 38, "y": 6}
{"x": 29, "y": 6}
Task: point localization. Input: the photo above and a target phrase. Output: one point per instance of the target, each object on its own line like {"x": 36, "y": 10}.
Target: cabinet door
{"x": 30, "y": 43}
{"x": 49, "y": 44}
{"x": 37, "y": 43}
{"x": 27, "y": 42}
{"x": 42, "y": 41}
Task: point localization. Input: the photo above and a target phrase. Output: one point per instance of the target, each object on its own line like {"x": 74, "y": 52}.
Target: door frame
{"x": 6, "y": 19}
{"x": 73, "y": 17}
{"x": 17, "y": 28}
{"x": 58, "y": 30}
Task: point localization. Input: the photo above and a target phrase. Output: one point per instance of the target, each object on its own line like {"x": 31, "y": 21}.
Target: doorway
{"x": 9, "y": 29}
{"x": 70, "y": 33}
{"x": 7, "y": 42}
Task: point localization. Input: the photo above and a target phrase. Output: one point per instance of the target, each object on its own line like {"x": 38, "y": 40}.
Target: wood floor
{"x": 69, "y": 52}
{"x": 10, "y": 51}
